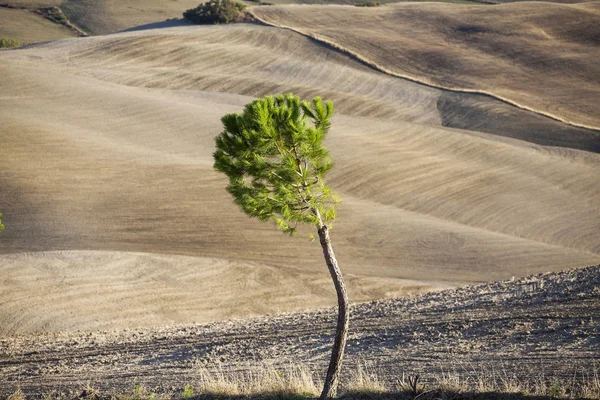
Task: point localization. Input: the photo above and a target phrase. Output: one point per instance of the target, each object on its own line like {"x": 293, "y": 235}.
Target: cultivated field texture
{"x": 38, "y": 29}
{"x": 538, "y": 330}
{"x": 111, "y": 203}
{"x": 536, "y": 55}
{"x": 108, "y": 16}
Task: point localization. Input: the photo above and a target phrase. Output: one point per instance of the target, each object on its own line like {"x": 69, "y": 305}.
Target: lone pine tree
{"x": 275, "y": 160}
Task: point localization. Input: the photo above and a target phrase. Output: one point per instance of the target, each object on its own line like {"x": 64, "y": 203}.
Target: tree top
{"x": 274, "y": 157}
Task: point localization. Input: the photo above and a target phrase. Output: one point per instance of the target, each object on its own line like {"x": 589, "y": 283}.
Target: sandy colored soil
{"x": 79, "y": 290}
{"x": 109, "y": 16}
{"x": 543, "y": 327}
{"x": 536, "y": 55}
{"x": 38, "y": 29}
{"x": 33, "y": 3}
{"x": 111, "y": 138}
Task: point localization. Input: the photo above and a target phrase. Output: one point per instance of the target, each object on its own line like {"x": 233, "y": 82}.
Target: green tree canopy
{"x": 275, "y": 160}
{"x": 1, "y": 226}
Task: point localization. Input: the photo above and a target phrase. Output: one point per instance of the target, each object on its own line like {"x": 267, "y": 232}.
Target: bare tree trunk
{"x": 333, "y": 373}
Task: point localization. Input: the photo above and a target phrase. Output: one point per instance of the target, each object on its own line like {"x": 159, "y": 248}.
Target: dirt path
{"x": 543, "y": 325}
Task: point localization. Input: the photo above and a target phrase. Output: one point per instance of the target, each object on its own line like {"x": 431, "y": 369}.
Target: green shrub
{"x": 216, "y": 12}
{"x": 6, "y": 43}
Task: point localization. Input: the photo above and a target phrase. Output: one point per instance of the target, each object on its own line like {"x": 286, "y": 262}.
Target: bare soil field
{"x": 85, "y": 291}
{"x": 111, "y": 138}
{"x": 543, "y": 327}
{"x": 535, "y": 55}
{"x": 38, "y": 29}
{"x": 109, "y": 16}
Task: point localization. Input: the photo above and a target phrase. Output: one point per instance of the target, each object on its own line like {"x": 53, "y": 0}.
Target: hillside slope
{"x": 111, "y": 139}
{"x": 540, "y": 56}
{"x": 27, "y": 27}
{"x": 537, "y": 328}
{"x": 99, "y": 17}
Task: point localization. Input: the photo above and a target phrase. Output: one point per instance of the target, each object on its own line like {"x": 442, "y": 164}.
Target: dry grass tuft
{"x": 364, "y": 380}
{"x": 583, "y": 384}
{"x": 297, "y": 382}
{"x": 293, "y": 380}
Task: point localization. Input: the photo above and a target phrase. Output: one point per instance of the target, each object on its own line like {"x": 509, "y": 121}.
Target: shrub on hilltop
{"x": 216, "y": 12}
{"x": 6, "y": 43}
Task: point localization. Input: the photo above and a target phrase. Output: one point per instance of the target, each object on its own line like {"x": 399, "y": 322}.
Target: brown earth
{"x": 84, "y": 290}
{"x": 38, "y": 29}
{"x": 108, "y": 16}
{"x": 539, "y": 56}
{"x": 111, "y": 138}
{"x": 537, "y": 328}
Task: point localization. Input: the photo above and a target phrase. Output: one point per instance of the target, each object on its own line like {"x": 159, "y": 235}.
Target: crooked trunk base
{"x": 341, "y": 334}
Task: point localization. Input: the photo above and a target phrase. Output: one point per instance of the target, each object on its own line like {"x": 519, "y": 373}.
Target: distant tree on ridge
{"x": 215, "y": 12}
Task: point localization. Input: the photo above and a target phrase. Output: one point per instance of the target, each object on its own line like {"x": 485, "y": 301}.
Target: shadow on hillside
{"x": 159, "y": 25}
{"x": 486, "y": 114}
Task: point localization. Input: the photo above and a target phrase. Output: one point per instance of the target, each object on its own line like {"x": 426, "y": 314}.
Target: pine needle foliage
{"x": 1, "y": 226}
{"x": 274, "y": 157}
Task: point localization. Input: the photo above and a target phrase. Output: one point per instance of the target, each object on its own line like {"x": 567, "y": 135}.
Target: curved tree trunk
{"x": 333, "y": 373}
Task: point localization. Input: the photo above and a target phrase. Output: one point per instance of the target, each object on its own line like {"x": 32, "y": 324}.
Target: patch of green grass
{"x": 188, "y": 392}
{"x": 5, "y": 44}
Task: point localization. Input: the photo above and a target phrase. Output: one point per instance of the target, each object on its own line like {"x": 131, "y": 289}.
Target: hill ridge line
{"x": 328, "y": 43}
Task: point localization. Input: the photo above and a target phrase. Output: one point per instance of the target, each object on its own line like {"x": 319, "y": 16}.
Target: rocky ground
{"x": 546, "y": 325}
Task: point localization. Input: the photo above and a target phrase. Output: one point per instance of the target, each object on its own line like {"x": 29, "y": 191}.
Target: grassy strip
{"x": 299, "y": 383}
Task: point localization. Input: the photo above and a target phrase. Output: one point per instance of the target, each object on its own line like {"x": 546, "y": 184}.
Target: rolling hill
{"x": 38, "y": 29}
{"x": 110, "y": 200}
{"x": 537, "y": 56}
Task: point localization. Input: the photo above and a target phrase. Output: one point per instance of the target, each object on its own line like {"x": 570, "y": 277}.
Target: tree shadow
{"x": 159, "y": 25}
